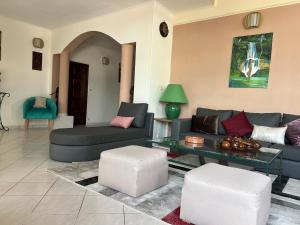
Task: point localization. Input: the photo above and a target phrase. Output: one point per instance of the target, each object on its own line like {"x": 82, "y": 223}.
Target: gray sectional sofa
{"x": 86, "y": 143}
{"x": 291, "y": 154}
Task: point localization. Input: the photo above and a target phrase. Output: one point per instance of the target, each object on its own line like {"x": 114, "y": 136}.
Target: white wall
{"x": 103, "y": 85}
{"x": 137, "y": 24}
{"x": 17, "y": 76}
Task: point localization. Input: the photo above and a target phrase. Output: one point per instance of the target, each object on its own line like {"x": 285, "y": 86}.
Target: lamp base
{"x": 172, "y": 111}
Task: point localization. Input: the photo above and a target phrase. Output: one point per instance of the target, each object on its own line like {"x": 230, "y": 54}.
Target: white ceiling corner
{"x": 57, "y": 13}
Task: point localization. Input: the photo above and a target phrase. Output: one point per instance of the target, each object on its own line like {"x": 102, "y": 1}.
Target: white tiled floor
{"x": 29, "y": 195}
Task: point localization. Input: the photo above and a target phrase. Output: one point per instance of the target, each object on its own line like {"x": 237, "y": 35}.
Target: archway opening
{"x": 93, "y": 73}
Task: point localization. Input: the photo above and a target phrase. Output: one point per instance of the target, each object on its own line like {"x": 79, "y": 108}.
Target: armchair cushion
{"x": 40, "y": 102}
{"x": 39, "y": 113}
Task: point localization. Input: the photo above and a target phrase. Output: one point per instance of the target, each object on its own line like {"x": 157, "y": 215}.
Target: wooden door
{"x": 78, "y": 85}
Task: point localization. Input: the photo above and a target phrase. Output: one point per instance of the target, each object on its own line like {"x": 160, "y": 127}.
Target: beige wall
{"x": 138, "y": 24}
{"x": 103, "y": 85}
{"x": 201, "y": 60}
{"x": 18, "y": 78}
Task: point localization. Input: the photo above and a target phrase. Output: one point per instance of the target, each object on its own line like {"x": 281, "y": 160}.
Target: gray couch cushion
{"x": 81, "y": 136}
{"x": 263, "y": 119}
{"x": 137, "y": 110}
{"x": 286, "y": 118}
{"x": 223, "y": 115}
{"x": 289, "y": 151}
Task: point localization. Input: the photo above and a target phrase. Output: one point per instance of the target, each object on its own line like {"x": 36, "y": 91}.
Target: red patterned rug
{"x": 172, "y": 155}
{"x": 173, "y": 218}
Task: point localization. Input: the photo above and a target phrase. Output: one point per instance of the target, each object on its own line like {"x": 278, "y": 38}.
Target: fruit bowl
{"x": 239, "y": 144}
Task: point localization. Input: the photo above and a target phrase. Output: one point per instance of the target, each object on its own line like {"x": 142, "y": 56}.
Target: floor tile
{"x": 18, "y": 204}
{"x": 13, "y": 218}
{"x": 59, "y": 205}
{"x": 43, "y": 219}
{"x": 11, "y": 175}
{"x": 130, "y": 210}
{"x": 48, "y": 164}
{"x": 101, "y": 204}
{"x": 24, "y": 188}
{"x": 141, "y": 219}
{"x": 5, "y": 186}
{"x": 62, "y": 187}
{"x": 101, "y": 219}
{"x": 39, "y": 176}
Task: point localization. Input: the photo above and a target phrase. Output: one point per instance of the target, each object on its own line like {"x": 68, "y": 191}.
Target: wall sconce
{"x": 37, "y": 42}
{"x": 252, "y": 20}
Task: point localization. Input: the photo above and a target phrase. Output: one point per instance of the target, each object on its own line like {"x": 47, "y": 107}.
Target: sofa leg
{"x": 26, "y": 124}
{"x": 50, "y": 124}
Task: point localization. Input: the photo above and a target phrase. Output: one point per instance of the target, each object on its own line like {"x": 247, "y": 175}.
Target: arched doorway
{"x": 125, "y": 76}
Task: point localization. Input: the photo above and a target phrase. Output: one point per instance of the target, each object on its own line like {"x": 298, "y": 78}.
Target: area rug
{"x": 164, "y": 202}
{"x": 173, "y": 218}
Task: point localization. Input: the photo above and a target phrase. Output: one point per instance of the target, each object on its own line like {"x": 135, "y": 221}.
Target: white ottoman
{"x": 213, "y": 195}
{"x": 133, "y": 170}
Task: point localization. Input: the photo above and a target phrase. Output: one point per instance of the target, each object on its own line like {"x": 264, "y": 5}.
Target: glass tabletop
{"x": 211, "y": 149}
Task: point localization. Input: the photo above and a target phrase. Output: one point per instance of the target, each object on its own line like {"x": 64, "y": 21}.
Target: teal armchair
{"x": 31, "y": 113}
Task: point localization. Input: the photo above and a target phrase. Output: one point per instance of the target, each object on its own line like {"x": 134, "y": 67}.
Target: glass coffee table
{"x": 266, "y": 159}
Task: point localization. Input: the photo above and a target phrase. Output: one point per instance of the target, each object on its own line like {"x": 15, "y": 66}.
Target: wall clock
{"x": 163, "y": 29}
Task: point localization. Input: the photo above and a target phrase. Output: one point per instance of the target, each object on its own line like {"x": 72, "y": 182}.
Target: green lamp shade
{"x": 174, "y": 96}
{"x": 174, "y": 93}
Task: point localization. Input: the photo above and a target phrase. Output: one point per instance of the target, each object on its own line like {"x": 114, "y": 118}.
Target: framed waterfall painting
{"x": 250, "y": 61}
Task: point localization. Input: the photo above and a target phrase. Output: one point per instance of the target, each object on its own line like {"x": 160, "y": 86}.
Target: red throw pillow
{"x": 238, "y": 125}
{"x": 122, "y": 121}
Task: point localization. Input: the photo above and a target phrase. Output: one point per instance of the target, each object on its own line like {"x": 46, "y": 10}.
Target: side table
{"x": 2, "y": 95}
{"x": 165, "y": 124}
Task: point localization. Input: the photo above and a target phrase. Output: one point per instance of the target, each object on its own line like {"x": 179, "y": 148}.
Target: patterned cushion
{"x": 206, "y": 124}
{"x": 222, "y": 114}
{"x": 40, "y": 102}
{"x": 293, "y": 132}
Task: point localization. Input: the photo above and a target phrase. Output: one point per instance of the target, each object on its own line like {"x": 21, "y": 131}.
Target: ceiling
{"x": 57, "y": 13}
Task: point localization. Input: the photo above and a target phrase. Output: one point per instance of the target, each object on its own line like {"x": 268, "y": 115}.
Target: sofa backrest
{"x": 223, "y": 115}
{"x": 263, "y": 119}
{"x": 286, "y": 118}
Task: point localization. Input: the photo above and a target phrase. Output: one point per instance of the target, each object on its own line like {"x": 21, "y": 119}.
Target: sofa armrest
{"x": 180, "y": 126}
{"x": 149, "y": 124}
{"x": 51, "y": 105}
{"x": 27, "y": 106}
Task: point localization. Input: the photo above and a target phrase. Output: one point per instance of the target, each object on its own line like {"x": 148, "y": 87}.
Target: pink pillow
{"x": 122, "y": 121}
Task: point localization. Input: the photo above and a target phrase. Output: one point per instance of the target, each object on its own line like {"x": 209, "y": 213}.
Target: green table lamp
{"x": 174, "y": 96}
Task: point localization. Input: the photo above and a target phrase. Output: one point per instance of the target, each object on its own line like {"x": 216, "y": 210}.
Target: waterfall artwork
{"x": 250, "y": 61}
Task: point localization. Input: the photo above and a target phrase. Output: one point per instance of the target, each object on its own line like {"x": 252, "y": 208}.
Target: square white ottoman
{"x": 213, "y": 195}
{"x": 133, "y": 170}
